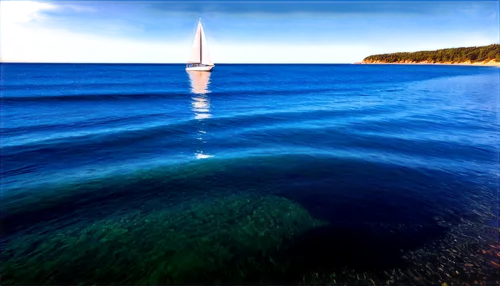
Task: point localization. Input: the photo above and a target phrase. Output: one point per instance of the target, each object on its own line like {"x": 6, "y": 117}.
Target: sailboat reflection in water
{"x": 200, "y": 106}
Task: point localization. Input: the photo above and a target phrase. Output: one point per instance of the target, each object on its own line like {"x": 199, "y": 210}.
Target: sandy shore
{"x": 489, "y": 63}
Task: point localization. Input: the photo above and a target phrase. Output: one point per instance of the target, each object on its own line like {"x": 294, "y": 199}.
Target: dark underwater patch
{"x": 166, "y": 225}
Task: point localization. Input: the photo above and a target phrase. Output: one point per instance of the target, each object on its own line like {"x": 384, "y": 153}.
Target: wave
{"x": 180, "y": 93}
{"x": 315, "y": 141}
{"x": 238, "y": 121}
{"x": 350, "y": 124}
{"x": 96, "y": 82}
{"x": 88, "y": 123}
{"x": 342, "y": 131}
{"x": 92, "y": 96}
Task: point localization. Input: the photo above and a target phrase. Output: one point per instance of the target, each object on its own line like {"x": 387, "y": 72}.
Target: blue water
{"x": 370, "y": 149}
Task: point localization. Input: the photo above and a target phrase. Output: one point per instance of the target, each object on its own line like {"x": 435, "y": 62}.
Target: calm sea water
{"x": 251, "y": 173}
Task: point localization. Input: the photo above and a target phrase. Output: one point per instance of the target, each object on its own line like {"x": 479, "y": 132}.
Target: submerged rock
{"x": 229, "y": 239}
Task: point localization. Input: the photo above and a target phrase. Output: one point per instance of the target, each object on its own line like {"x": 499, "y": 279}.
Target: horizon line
{"x": 125, "y": 63}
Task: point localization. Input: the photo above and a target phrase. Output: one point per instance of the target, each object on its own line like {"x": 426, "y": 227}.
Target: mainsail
{"x": 199, "y": 51}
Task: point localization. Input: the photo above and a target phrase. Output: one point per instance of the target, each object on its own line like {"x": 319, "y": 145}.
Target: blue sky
{"x": 238, "y": 31}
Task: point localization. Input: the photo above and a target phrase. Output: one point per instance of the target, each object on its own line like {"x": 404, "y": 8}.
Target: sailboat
{"x": 200, "y": 59}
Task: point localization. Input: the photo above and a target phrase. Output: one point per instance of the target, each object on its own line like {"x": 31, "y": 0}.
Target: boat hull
{"x": 201, "y": 68}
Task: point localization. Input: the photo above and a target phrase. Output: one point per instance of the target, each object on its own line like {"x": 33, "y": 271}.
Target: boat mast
{"x": 201, "y": 42}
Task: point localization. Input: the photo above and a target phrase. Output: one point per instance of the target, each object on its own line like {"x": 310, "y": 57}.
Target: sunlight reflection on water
{"x": 200, "y": 106}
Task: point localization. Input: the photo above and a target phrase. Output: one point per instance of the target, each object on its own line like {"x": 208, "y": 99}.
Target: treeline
{"x": 453, "y": 55}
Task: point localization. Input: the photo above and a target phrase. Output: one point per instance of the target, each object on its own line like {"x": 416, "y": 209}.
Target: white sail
{"x": 205, "y": 55}
{"x": 199, "y": 50}
{"x": 195, "y": 50}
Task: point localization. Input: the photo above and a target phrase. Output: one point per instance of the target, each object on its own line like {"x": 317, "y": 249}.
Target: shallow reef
{"x": 219, "y": 223}
{"x": 226, "y": 239}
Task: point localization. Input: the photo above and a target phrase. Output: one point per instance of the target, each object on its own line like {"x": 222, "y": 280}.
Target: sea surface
{"x": 147, "y": 174}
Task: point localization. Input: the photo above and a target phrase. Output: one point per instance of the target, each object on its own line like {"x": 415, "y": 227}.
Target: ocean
{"x": 145, "y": 174}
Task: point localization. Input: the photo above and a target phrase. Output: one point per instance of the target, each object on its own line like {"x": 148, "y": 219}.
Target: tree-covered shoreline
{"x": 479, "y": 54}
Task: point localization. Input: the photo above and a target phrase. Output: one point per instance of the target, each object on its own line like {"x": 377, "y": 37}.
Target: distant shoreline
{"x": 490, "y": 63}
{"x": 464, "y": 56}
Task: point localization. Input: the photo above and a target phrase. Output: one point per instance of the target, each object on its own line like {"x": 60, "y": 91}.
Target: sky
{"x": 238, "y": 31}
